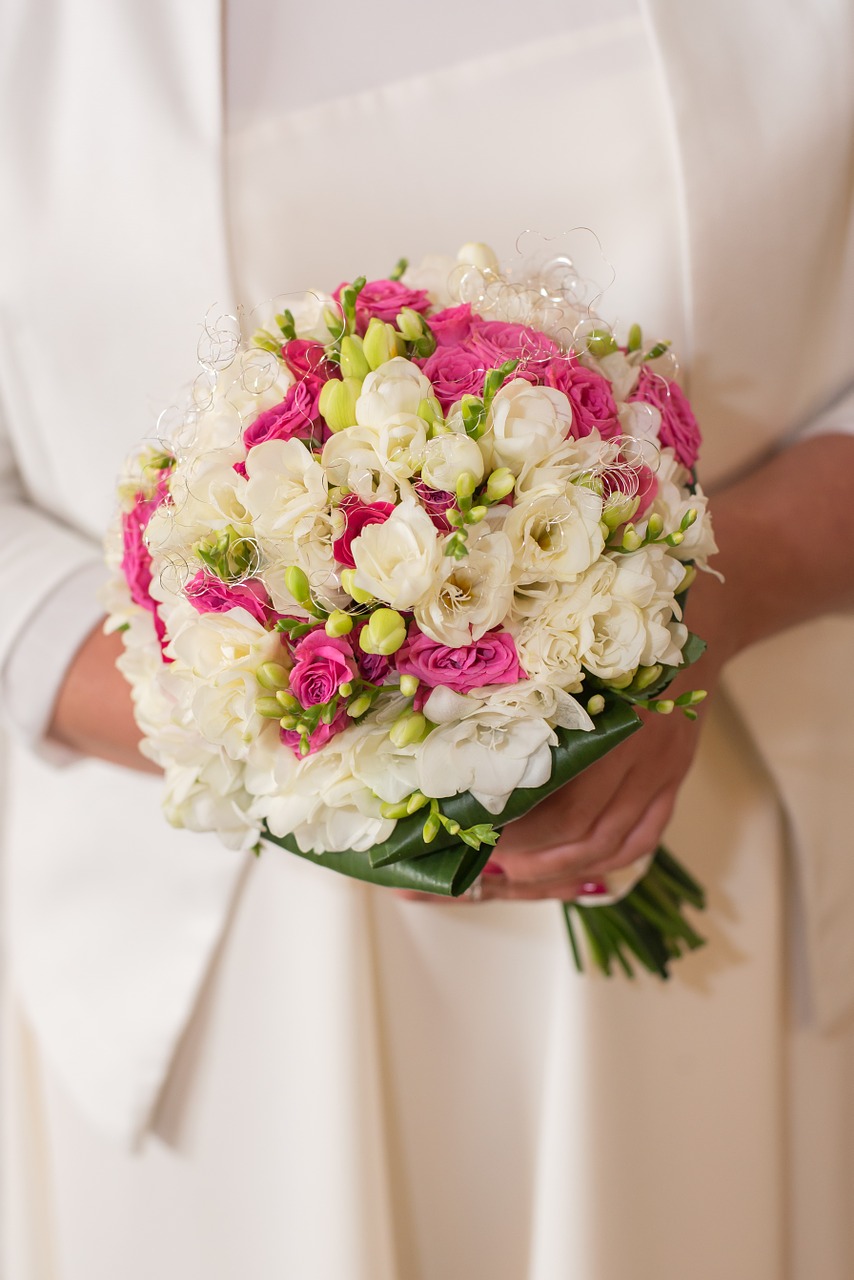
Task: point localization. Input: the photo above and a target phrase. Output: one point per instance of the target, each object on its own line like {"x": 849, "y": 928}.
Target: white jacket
{"x": 113, "y": 239}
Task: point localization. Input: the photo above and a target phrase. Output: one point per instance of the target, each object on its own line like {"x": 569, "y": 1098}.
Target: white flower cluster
{"x": 383, "y": 556}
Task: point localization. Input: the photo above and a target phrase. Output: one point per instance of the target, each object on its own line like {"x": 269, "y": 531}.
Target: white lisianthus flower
{"x": 525, "y": 424}
{"x": 672, "y": 501}
{"x": 554, "y": 535}
{"x": 618, "y": 641}
{"x": 447, "y": 457}
{"x": 351, "y": 459}
{"x": 550, "y": 643}
{"x": 285, "y": 494}
{"x": 637, "y": 628}
{"x": 208, "y": 795}
{"x": 398, "y": 386}
{"x": 490, "y": 753}
{"x": 399, "y": 561}
{"x": 473, "y": 595}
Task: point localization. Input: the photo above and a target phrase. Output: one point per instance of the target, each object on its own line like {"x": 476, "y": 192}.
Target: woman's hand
{"x": 93, "y": 713}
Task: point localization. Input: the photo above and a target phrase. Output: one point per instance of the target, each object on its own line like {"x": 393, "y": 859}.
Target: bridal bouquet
{"x": 405, "y": 563}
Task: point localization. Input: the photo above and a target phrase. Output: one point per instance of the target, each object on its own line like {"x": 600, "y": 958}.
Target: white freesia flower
{"x": 352, "y": 459}
{"x": 285, "y": 494}
{"x": 401, "y": 444}
{"x": 526, "y": 423}
{"x": 523, "y": 699}
{"x": 398, "y": 386}
{"x": 570, "y": 459}
{"x": 209, "y": 796}
{"x": 554, "y": 535}
{"x": 672, "y": 501}
{"x": 207, "y": 495}
{"x": 472, "y": 595}
{"x": 550, "y": 643}
{"x": 398, "y": 561}
{"x": 447, "y": 457}
{"x": 490, "y": 754}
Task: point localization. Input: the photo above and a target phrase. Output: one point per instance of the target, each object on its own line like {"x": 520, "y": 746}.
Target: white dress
{"x": 374, "y": 1089}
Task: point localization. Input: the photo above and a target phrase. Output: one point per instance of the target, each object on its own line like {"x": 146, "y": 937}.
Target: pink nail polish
{"x": 594, "y": 888}
{"x": 492, "y": 869}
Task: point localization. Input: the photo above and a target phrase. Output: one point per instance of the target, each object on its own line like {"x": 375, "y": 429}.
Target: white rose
{"x": 398, "y": 561}
{"x": 570, "y": 459}
{"x": 490, "y": 754}
{"x": 555, "y": 536}
{"x": 526, "y": 423}
{"x": 618, "y": 642}
{"x": 398, "y": 386}
{"x": 351, "y": 459}
{"x": 208, "y": 795}
{"x": 447, "y": 457}
{"x": 637, "y": 628}
{"x": 473, "y": 595}
{"x": 550, "y": 643}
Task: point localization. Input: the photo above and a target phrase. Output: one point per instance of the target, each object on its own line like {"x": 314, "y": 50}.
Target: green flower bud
{"x": 693, "y": 698}
{"x": 345, "y": 689}
{"x": 272, "y": 675}
{"x": 646, "y": 676}
{"x": 380, "y": 343}
{"x": 415, "y": 802}
{"x": 595, "y": 705}
{"x": 622, "y": 682}
{"x": 348, "y": 583}
{"x": 619, "y": 508}
{"x": 409, "y": 324}
{"x": 688, "y": 519}
{"x": 409, "y": 685}
{"x": 452, "y": 826}
{"x": 431, "y": 412}
{"x": 359, "y": 706}
{"x": 631, "y": 539}
{"x": 675, "y": 539}
{"x": 338, "y": 623}
{"x": 430, "y": 829}
{"x": 268, "y": 707}
{"x": 353, "y": 362}
{"x": 690, "y": 575}
{"x": 287, "y": 701}
{"x": 477, "y": 514}
{"x": 338, "y": 402}
{"x": 654, "y": 526}
{"x": 466, "y": 485}
{"x": 334, "y": 322}
{"x": 297, "y": 584}
{"x": 394, "y": 811}
{"x": 454, "y": 517}
{"x": 663, "y": 706}
{"x": 384, "y": 633}
{"x": 601, "y": 342}
{"x": 635, "y": 341}
{"x": 408, "y": 728}
{"x": 500, "y": 484}
{"x": 289, "y": 722}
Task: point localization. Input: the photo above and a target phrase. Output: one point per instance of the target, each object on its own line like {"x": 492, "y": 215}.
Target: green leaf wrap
{"x": 446, "y": 866}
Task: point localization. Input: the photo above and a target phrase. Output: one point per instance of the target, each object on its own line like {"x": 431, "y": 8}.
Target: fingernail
{"x": 492, "y": 869}
{"x": 592, "y": 888}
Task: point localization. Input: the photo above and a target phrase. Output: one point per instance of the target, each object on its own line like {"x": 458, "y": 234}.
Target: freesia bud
{"x": 353, "y": 362}
{"x": 380, "y": 343}
{"x": 409, "y": 685}
{"x": 646, "y": 676}
{"x": 338, "y": 623}
{"x": 618, "y": 509}
{"x": 688, "y": 519}
{"x": 268, "y": 707}
{"x": 690, "y": 575}
{"x": 654, "y": 526}
{"x": 600, "y": 342}
{"x": 287, "y": 701}
{"x": 385, "y": 632}
{"x": 466, "y": 485}
{"x": 415, "y": 802}
{"x": 356, "y": 593}
{"x": 631, "y": 539}
{"x": 595, "y": 705}
{"x": 345, "y": 689}
{"x": 431, "y": 411}
{"x": 296, "y": 583}
{"x": 409, "y": 324}
{"x": 359, "y": 706}
{"x": 500, "y": 484}
{"x": 663, "y": 706}
{"x": 409, "y": 728}
{"x": 337, "y": 402}
{"x": 395, "y": 810}
{"x": 478, "y": 255}
{"x": 288, "y": 722}
{"x": 675, "y": 539}
{"x": 272, "y": 675}
{"x": 477, "y": 514}
{"x": 430, "y": 829}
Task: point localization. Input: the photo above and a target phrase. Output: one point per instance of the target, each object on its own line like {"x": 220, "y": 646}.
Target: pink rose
{"x": 452, "y": 326}
{"x": 298, "y": 415}
{"x": 322, "y": 664}
{"x": 499, "y": 341}
{"x": 383, "y": 299}
{"x": 207, "y": 594}
{"x": 136, "y": 559}
{"x": 322, "y": 734}
{"x": 357, "y": 514}
{"x": 490, "y": 660}
{"x": 589, "y": 393}
{"x": 435, "y": 502}
{"x": 679, "y": 429}
{"x": 454, "y": 373}
{"x": 303, "y": 356}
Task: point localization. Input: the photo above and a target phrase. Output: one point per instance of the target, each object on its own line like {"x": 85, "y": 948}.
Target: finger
{"x": 564, "y": 889}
